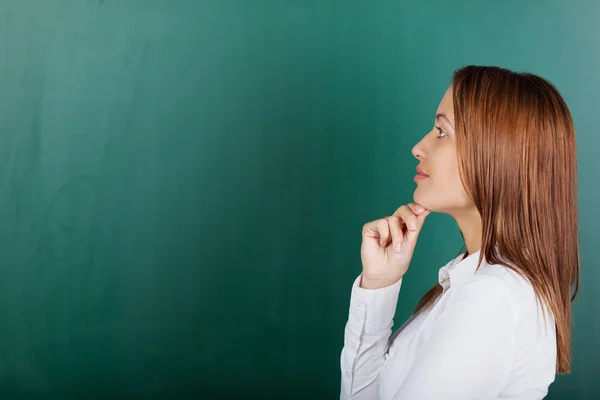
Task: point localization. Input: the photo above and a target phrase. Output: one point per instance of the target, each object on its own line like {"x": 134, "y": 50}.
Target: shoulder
{"x": 488, "y": 285}
{"x": 510, "y": 280}
{"x": 479, "y": 304}
{"x": 511, "y": 285}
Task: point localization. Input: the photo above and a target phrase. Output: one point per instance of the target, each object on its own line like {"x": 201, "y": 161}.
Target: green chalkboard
{"x": 183, "y": 183}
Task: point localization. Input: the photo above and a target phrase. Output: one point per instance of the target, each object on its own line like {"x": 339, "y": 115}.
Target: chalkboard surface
{"x": 183, "y": 183}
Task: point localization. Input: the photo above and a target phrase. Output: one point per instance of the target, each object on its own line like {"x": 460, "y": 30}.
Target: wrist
{"x": 377, "y": 283}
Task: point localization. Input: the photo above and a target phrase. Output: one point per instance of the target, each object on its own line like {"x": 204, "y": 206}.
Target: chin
{"x": 419, "y": 198}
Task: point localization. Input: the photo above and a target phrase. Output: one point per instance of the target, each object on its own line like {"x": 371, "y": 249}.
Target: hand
{"x": 388, "y": 245}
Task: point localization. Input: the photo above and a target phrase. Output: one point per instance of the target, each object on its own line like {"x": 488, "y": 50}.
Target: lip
{"x": 420, "y": 175}
{"x": 421, "y": 172}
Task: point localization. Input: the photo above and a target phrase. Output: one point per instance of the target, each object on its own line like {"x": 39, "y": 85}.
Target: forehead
{"x": 447, "y": 105}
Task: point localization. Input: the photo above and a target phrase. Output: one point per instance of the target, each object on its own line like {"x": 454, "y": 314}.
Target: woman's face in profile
{"x": 442, "y": 190}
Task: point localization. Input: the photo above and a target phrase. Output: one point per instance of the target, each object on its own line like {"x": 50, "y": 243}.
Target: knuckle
{"x": 368, "y": 226}
{"x": 393, "y": 218}
{"x": 395, "y": 223}
{"x": 383, "y": 226}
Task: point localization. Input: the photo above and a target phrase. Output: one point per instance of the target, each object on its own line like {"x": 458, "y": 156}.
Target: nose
{"x": 417, "y": 150}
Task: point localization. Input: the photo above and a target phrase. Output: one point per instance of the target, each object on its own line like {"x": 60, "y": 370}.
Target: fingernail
{"x": 413, "y": 226}
{"x": 398, "y": 248}
{"x": 418, "y": 208}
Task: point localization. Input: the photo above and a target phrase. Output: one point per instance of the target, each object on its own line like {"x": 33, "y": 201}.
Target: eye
{"x": 440, "y": 131}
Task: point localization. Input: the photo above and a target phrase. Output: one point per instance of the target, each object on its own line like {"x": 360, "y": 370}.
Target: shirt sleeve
{"x": 467, "y": 355}
{"x": 366, "y": 339}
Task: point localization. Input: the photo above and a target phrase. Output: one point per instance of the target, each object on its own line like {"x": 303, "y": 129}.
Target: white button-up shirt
{"x": 485, "y": 338}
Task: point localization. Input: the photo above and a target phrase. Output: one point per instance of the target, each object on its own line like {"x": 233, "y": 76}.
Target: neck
{"x": 470, "y": 226}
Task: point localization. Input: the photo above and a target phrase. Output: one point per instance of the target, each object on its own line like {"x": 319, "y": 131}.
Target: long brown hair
{"x": 516, "y": 152}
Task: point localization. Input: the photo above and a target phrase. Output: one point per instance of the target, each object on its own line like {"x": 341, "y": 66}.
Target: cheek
{"x": 444, "y": 174}
{"x": 443, "y": 190}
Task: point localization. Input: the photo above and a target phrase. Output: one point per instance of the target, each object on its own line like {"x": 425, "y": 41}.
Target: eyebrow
{"x": 445, "y": 117}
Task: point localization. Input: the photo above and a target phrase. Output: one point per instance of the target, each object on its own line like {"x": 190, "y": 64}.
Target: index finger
{"x": 407, "y": 216}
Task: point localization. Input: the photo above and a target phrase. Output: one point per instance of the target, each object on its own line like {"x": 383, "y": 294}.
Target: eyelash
{"x": 440, "y": 131}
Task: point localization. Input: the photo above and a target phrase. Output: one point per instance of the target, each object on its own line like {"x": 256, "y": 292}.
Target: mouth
{"x": 421, "y": 173}
{"x": 419, "y": 177}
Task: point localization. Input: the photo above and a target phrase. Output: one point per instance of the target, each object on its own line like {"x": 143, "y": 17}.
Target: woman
{"x": 501, "y": 160}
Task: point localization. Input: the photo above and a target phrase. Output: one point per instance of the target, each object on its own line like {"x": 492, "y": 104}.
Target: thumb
{"x": 412, "y": 236}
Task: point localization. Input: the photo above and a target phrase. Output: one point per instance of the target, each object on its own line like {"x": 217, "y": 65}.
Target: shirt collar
{"x": 458, "y": 269}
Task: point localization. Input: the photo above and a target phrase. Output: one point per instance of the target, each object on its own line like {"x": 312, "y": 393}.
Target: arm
{"x": 467, "y": 356}
{"x": 366, "y": 339}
